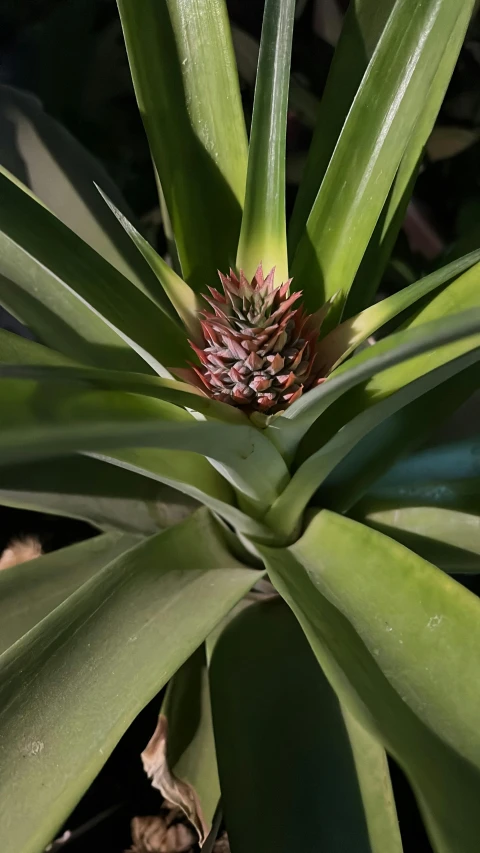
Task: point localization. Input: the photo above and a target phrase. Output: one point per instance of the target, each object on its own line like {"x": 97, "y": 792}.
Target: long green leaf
{"x": 445, "y": 476}
{"x": 15, "y": 349}
{"x": 34, "y": 360}
{"x": 437, "y": 464}
{"x": 383, "y": 115}
{"x": 346, "y": 337}
{"x": 105, "y": 495}
{"x": 461, "y": 295}
{"x": 401, "y": 433}
{"x": 388, "y": 226}
{"x": 181, "y": 296}
{"x": 76, "y": 331}
{"x": 30, "y": 591}
{"x": 447, "y": 538}
{"x": 285, "y": 514}
{"x": 460, "y": 495}
{"x": 110, "y": 496}
{"x": 35, "y": 247}
{"x": 364, "y": 23}
{"x": 263, "y": 236}
{"x": 73, "y": 684}
{"x": 20, "y": 361}
{"x": 193, "y": 476}
{"x": 296, "y": 773}
{"x": 185, "y": 469}
{"x": 389, "y": 365}
{"x": 61, "y": 173}
{"x": 400, "y": 647}
{"x": 183, "y": 69}
{"x": 44, "y": 420}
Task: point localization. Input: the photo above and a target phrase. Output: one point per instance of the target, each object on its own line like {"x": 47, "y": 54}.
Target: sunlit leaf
{"x": 184, "y": 74}
{"x": 36, "y": 247}
{"x": 181, "y": 296}
{"x": 363, "y": 25}
{"x": 383, "y": 239}
{"x": 383, "y": 115}
{"x": 346, "y": 337}
{"x": 263, "y": 236}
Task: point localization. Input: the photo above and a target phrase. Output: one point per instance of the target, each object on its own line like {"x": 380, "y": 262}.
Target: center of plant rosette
{"x": 260, "y": 346}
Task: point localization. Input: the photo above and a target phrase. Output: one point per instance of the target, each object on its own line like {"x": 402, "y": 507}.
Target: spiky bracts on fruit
{"x": 260, "y": 350}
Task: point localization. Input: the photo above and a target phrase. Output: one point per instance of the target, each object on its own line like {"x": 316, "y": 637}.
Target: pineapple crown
{"x": 260, "y": 350}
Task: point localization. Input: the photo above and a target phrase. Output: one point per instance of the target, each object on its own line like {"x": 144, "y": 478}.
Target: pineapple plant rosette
{"x": 306, "y": 617}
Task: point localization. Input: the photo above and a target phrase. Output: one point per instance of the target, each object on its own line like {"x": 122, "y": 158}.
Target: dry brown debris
{"x": 168, "y": 832}
{"x": 19, "y": 551}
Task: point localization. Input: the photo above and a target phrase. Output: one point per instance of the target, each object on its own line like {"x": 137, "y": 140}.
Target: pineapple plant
{"x": 281, "y": 539}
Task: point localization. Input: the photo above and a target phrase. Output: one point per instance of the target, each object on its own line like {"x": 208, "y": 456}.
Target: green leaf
{"x": 445, "y": 476}
{"x": 181, "y": 296}
{"x": 180, "y": 758}
{"x": 364, "y": 23}
{"x": 297, "y": 773}
{"x": 37, "y": 249}
{"x": 346, "y": 337}
{"x": 77, "y": 332}
{"x": 447, "y": 538}
{"x": 31, "y": 590}
{"x": 400, "y": 433}
{"x": 391, "y": 219}
{"x": 184, "y": 470}
{"x": 183, "y": 69}
{"x": 107, "y": 496}
{"x": 460, "y": 295}
{"x": 193, "y": 476}
{"x": 61, "y": 173}
{"x": 389, "y": 365}
{"x": 285, "y": 514}
{"x": 48, "y": 419}
{"x": 389, "y": 101}
{"x": 437, "y": 464}
{"x": 301, "y": 100}
{"x": 375, "y": 786}
{"x": 399, "y": 646}
{"x": 461, "y": 495}
{"x": 15, "y": 349}
{"x": 263, "y": 236}
{"x": 71, "y": 687}
{"x": 23, "y": 359}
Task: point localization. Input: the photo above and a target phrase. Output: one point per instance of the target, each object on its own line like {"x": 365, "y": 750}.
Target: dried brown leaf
{"x": 176, "y": 791}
